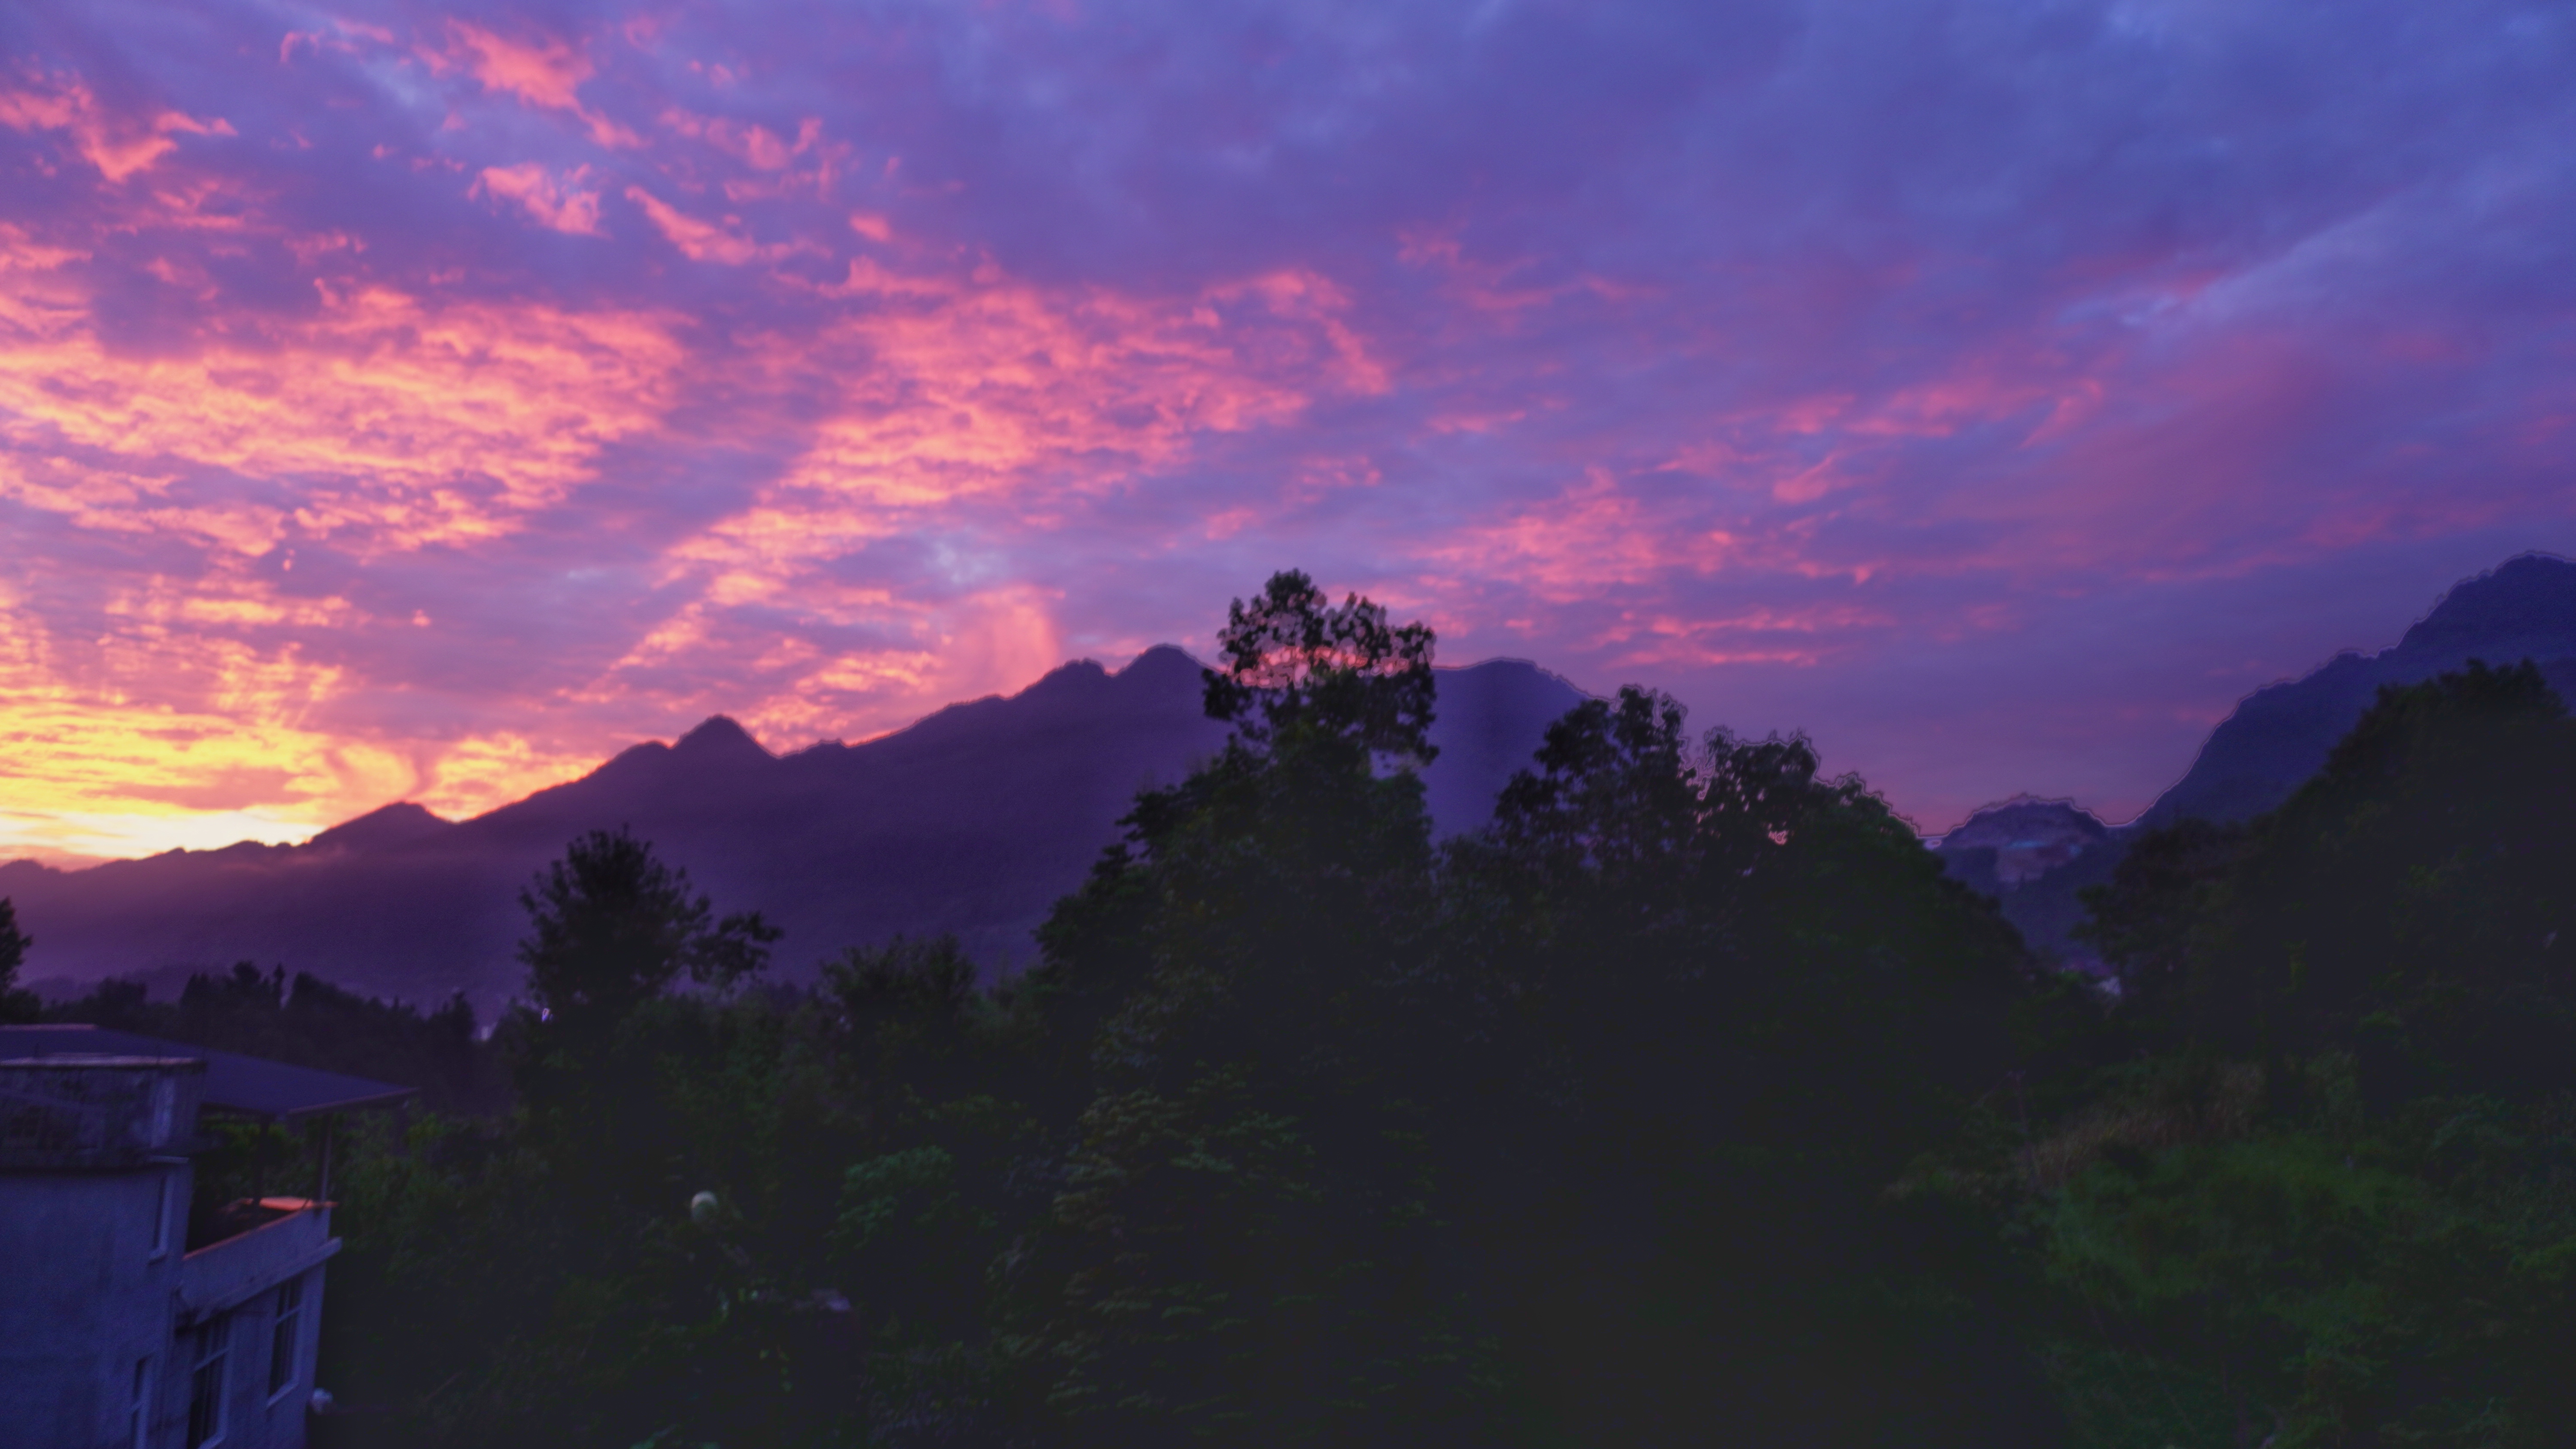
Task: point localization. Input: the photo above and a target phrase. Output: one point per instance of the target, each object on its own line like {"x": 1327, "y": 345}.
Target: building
{"x": 131, "y": 1314}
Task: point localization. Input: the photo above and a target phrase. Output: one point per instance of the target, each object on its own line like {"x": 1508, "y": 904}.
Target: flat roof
{"x": 253, "y": 1086}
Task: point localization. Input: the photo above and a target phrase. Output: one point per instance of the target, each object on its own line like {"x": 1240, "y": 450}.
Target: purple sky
{"x": 409, "y": 402}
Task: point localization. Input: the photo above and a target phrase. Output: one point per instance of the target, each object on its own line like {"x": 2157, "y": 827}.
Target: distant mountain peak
{"x": 2011, "y": 843}
{"x": 1162, "y": 659}
{"x": 719, "y": 737}
{"x": 2028, "y": 837}
{"x": 2524, "y": 608}
{"x": 1072, "y": 669}
{"x": 381, "y": 829}
{"x": 2001, "y": 822}
{"x": 2527, "y": 603}
{"x": 2277, "y": 737}
{"x": 1073, "y": 679}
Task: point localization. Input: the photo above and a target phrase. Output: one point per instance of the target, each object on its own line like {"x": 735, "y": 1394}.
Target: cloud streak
{"x": 423, "y": 403}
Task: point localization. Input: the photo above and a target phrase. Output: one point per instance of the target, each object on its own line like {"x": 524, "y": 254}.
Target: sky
{"x": 409, "y": 402}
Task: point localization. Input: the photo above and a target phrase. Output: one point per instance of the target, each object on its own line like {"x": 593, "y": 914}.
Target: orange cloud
{"x": 963, "y": 396}
{"x": 103, "y": 776}
{"x": 176, "y": 717}
{"x": 964, "y": 392}
{"x": 166, "y": 726}
{"x": 484, "y": 771}
{"x": 404, "y": 424}
{"x": 178, "y": 721}
{"x": 785, "y": 688}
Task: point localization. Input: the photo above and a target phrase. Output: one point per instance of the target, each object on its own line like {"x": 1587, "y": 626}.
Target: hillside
{"x": 2275, "y": 739}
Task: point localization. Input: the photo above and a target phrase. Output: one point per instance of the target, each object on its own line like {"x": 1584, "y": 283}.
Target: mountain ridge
{"x": 973, "y": 819}
{"x": 2279, "y": 735}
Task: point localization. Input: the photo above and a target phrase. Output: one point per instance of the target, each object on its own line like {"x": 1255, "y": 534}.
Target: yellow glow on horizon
{"x": 197, "y": 699}
{"x": 74, "y": 838}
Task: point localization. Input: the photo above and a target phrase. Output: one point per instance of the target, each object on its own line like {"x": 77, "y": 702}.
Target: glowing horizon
{"x": 408, "y": 402}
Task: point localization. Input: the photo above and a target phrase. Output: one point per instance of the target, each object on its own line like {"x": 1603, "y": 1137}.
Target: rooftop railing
{"x": 75, "y": 1111}
{"x": 281, "y": 1239}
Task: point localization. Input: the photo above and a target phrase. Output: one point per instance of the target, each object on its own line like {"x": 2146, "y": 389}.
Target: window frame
{"x": 164, "y": 1214}
{"x": 209, "y": 1353}
{"x": 286, "y": 1330}
{"x": 138, "y": 1413}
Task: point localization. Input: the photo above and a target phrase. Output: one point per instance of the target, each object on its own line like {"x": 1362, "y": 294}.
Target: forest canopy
{"x": 1687, "y": 1102}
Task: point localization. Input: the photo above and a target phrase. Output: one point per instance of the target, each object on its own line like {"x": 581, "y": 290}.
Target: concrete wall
{"x": 232, "y": 1271}
{"x": 84, "y": 1297}
{"x": 87, "y": 1297}
{"x": 254, "y": 1417}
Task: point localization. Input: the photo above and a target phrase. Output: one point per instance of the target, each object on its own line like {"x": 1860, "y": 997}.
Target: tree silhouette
{"x": 15, "y": 1004}
{"x": 1295, "y": 662}
{"x": 610, "y": 927}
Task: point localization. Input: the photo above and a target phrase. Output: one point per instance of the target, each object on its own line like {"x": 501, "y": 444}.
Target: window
{"x": 165, "y": 1213}
{"x": 165, "y": 1105}
{"x": 211, "y": 1355}
{"x": 138, "y": 1415}
{"x": 283, "y": 1336}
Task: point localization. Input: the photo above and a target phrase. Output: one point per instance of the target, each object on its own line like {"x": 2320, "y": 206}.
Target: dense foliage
{"x": 2315, "y": 1182}
{"x": 1305, "y": 1128}
{"x": 1687, "y": 1103}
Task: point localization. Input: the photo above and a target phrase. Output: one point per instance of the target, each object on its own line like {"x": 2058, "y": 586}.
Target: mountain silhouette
{"x": 2034, "y": 856}
{"x": 977, "y": 818}
{"x": 974, "y": 820}
{"x": 2280, "y": 735}
{"x": 2276, "y": 738}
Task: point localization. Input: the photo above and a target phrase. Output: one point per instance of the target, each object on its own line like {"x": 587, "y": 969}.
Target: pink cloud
{"x": 406, "y": 424}
{"x": 1016, "y": 338}
{"x": 1500, "y": 290}
{"x": 545, "y": 72}
{"x": 701, "y": 241}
{"x": 119, "y": 145}
{"x": 1591, "y": 537}
{"x": 998, "y": 393}
{"x": 749, "y": 142}
{"x": 555, "y": 201}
